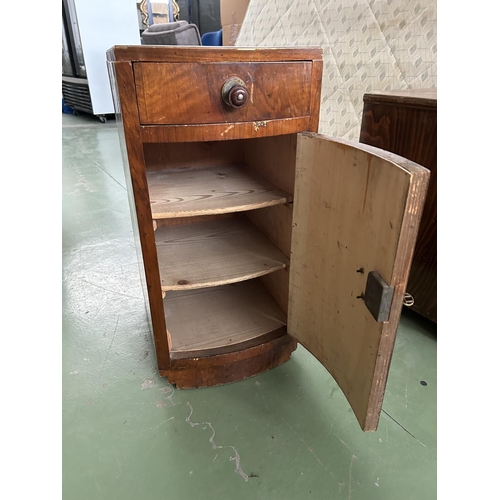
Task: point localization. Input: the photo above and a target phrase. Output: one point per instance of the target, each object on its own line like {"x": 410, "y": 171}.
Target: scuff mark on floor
{"x": 236, "y": 458}
{"x": 169, "y": 389}
{"x": 343, "y": 442}
{"x": 107, "y": 289}
{"x": 309, "y": 449}
{"x": 148, "y": 383}
{"x": 406, "y": 430}
{"x": 354, "y": 457}
{"x": 110, "y": 345}
{"x": 107, "y": 173}
{"x": 161, "y": 423}
{"x": 84, "y": 183}
{"x": 257, "y": 384}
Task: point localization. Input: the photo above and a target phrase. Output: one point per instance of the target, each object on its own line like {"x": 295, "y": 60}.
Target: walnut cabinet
{"x": 405, "y": 122}
{"x": 254, "y": 232}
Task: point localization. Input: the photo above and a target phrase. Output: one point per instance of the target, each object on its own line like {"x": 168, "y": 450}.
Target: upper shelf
{"x": 212, "y": 190}
{"x": 214, "y": 252}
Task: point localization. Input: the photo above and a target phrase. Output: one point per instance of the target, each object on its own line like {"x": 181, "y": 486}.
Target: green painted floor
{"x": 286, "y": 434}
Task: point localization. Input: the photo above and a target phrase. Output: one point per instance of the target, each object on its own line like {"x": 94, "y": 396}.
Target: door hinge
{"x": 378, "y": 296}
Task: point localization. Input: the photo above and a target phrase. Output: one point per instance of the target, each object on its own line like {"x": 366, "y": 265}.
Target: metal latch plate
{"x": 378, "y": 296}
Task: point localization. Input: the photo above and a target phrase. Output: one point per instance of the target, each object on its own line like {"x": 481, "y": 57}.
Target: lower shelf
{"x": 222, "y": 319}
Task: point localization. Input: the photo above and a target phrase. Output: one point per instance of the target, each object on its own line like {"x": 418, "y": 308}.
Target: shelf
{"x": 212, "y": 190}
{"x": 222, "y": 319}
{"x": 213, "y": 253}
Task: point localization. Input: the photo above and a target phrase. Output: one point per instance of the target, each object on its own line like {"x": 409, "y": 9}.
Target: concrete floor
{"x": 288, "y": 433}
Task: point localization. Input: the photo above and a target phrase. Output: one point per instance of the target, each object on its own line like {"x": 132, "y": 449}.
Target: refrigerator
{"x": 89, "y": 29}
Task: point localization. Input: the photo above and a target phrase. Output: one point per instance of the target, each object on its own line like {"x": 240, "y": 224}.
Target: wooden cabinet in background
{"x": 248, "y": 240}
{"x": 405, "y": 122}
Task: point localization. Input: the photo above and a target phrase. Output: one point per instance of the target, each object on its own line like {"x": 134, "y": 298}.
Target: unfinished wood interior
{"x": 211, "y": 190}
{"x": 214, "y": 252}
{"x": 330, "y": 260}
{"x": 223, "y": 215}
{"x": 220, "y": 319}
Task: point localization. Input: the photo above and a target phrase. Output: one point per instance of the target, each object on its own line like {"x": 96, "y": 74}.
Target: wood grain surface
{"x": 405, "y": 123}
{"x": 173, "y": 94}
{"x": 211, "y": 54}
{"x": 263, "y": 342}
{"x": 425, "y": 98}
{"x": 163, "y": 155}
{"x": 339, "y": 235}
{"x": 213, "y": 253}
{"x": 209, "y": 371}
{"x": 276, "y": 223}
{"x": 181, "y": 221}
{"x": 220, "y": 318}
{"x": 224, "y": 131}
{"x": 275, "y": 157}
{"x": 123, "y": 90}
{"x": 212, "y": 190}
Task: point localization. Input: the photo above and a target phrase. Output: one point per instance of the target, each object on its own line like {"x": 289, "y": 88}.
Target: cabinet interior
{"x": 222, "y": 213}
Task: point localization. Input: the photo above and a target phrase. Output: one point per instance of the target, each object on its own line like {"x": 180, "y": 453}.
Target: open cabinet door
{"x": 355, "y": 221}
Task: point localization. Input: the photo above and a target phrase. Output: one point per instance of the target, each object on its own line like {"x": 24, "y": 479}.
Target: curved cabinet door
{"x": 355, "y": 221}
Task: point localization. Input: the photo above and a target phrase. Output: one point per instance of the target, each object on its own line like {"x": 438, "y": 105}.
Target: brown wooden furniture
{"x": 253, "y": 233}
{"x": 405, "y": 122}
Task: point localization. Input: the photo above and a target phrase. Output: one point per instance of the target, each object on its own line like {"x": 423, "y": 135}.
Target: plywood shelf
{"x": 222, "y": 319}
{"x": 213, "y": 253}
{"x": 213, "y": 190}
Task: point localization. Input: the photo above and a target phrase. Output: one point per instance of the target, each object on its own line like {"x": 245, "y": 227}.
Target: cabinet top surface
{"x": 176, "y": 53}
{"x": 426, "y": 97}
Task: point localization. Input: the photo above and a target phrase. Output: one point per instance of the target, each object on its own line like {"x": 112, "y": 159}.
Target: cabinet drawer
{"x": 180, "y": 93}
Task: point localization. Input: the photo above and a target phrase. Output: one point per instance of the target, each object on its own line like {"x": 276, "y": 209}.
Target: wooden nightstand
{"x": 253, "y": 232}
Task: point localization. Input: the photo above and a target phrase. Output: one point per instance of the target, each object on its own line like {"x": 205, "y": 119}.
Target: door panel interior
{"x": 356, "y": 211}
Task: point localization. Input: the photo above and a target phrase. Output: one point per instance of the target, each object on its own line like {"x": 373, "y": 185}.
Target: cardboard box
{"x": 233, "y": 11}
{"x": 230, "y": 33}
{"x": 232, "y": 14}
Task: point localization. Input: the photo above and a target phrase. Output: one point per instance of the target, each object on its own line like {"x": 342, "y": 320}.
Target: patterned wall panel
{"x": 368, "y": 45}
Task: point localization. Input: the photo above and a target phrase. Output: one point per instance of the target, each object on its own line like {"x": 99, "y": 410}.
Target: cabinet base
{"x": 225, "y": 368}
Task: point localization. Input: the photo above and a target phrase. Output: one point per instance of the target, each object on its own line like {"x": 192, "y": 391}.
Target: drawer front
{"x": 191, "y": 93}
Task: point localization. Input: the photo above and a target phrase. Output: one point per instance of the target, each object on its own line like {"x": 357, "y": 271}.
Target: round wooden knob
{"x": 237, "y": 96}
{"x": 235, "y": 93}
